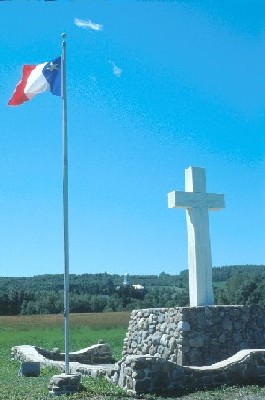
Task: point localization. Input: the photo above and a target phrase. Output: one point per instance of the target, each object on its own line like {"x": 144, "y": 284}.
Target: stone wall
{"x": 46, "y": 358}
{"x": 96, "y": 354}
{"x": 147, "y": 374}
{"x": 195, "y": 335}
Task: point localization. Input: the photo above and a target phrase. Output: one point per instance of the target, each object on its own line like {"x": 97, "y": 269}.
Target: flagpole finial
{"x": 63, "y": 35}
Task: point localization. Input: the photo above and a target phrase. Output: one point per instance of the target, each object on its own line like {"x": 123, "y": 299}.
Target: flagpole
{"x": 65, "y": 206}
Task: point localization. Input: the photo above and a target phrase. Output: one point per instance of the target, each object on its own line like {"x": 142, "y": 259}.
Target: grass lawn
{"x": 48, "y": 331}
{"x": 85, "y": 329}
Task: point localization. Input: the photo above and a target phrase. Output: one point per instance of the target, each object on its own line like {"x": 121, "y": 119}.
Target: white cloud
{"x": 116, "y": 70}
{"x": 87, "y": 24}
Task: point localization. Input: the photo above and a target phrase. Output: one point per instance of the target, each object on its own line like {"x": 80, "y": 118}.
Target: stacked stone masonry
{"x": 80, "y": 361}
{"x": 197, "y": 336}
{"x": 96, "y": 354}
{"x": 64, "y": 384}
{"x": 174, "y": 350}
{"x": 146, "y": 374}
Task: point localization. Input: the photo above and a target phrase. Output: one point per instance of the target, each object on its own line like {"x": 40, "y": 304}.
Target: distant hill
{"x": 43, "y": 294}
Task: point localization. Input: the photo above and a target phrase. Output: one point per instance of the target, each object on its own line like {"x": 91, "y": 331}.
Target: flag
{"x": 36, "y": 79}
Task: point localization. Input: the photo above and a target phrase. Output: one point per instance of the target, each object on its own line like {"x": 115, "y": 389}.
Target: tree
{"x": 251, "y": 292}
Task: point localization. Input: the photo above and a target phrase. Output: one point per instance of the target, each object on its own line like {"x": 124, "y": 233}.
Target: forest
{"x": 43, "y": 294}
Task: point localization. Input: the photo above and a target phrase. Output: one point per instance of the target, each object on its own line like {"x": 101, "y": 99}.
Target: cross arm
{"x": 211, "y": 201}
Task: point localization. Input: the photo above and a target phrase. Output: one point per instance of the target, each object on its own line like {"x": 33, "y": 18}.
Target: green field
{"x": 85, "y": 329}
{"x": 48, "y": 331}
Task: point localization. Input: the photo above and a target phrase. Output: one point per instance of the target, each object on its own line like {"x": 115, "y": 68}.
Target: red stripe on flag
{"x": 19, "y": 96}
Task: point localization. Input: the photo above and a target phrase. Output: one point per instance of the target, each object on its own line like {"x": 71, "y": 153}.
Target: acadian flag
{"x": 38, "y": 79}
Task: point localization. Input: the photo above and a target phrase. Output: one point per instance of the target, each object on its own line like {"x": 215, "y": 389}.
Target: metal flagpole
{"x": 65, "y": 206}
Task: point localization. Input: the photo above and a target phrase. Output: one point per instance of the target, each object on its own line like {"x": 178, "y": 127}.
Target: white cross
{"x": 197, "y": 203}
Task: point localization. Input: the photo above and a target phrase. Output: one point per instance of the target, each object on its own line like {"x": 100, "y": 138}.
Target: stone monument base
{"x": 147, "y": 374}
{"x": 195, "y": 336}
{"x": 64, "y": 384}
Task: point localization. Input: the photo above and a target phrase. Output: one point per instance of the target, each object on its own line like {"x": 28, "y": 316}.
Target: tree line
{"x": 43, "y": 294}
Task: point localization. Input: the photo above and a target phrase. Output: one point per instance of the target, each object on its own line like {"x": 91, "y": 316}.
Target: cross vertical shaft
{"x": 197, "y": 202}
{"x": 199, "y": 246}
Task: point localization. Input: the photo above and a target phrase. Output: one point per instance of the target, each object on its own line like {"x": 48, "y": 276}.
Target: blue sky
{"x": 188, "y": 90}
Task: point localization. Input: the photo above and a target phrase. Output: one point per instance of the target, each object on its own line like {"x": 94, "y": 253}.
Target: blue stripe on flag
{"x": 52, "y": 72}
